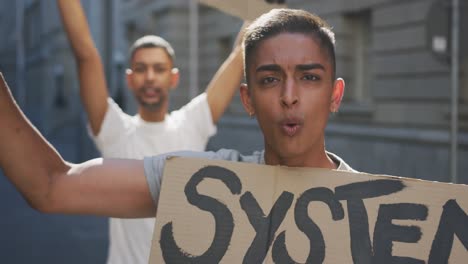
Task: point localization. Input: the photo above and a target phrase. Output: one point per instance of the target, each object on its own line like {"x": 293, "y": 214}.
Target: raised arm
{"x": 226, "y": 81}
{"x": 93, "y": 87}
{"x": 115, "y": 188}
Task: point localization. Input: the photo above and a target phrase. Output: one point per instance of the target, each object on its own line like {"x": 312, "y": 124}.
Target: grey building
{"x": 395, "y": 118}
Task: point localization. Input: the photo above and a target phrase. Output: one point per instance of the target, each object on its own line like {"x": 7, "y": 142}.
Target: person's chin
{"x": 150, "y": 105}
{"x": 291, "y": 147}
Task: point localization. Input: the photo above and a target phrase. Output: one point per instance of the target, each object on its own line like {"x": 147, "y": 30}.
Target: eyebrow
{"x": 301, "y": 67}
{"x": 268, "y": 67}
{"x": 312, "y": 66}
{"x": 140, "y": 63}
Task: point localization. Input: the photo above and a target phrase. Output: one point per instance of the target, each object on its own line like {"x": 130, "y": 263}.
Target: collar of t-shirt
{"x": 150, "y": 125}
{"x": 340, "y": 164}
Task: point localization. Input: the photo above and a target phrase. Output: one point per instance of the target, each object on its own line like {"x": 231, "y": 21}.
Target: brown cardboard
{"x": 245, "y": 9}
{"x": 194, "y": 228}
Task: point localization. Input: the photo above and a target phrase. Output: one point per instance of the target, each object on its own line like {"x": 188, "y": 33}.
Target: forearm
{"x": 93, "y": 86}
{"x": 26, "y": 158}
{"x": 77, "y": 30}
{"x": 225, "y": 83}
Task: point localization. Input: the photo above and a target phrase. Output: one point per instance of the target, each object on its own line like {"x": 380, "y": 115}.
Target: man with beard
{"x": 151, "y": 76}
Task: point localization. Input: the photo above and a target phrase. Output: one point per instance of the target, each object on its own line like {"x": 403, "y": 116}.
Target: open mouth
{"x": 291, "y": 127}
{"x": 151, "y": 92}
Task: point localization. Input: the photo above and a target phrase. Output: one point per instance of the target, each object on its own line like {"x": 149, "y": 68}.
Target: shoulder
{"x": 115, "y": 125}
{"x": 199, "y": 103}
{"x": 114, "y": 111}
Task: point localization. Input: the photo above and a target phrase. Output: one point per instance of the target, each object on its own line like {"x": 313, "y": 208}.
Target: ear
{"x": 128, "y": 77}
{"x": 337, "y": 95}
{"x": 246, "y": 99}
{"x": 175, "y": 77}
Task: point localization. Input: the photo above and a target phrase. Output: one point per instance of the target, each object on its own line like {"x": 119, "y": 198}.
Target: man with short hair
{"x": 151, "y": 76}
{"x": 291, "y": 89}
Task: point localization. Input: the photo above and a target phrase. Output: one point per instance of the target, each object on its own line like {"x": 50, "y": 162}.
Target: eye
{"x": 139, "y": 69}
{"x": 310, "y": 77}
{"x": 160, "y": 69}
{"x": 268, "y": 80}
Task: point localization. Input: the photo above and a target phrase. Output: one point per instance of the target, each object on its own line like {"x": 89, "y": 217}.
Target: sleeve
{"x": 154, "y": 166}
{"x": 113, "y": 127}
{"x": 196, "y": 117}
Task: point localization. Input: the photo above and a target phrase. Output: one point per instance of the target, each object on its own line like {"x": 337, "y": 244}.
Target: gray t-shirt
{"x": 154, "y": 165}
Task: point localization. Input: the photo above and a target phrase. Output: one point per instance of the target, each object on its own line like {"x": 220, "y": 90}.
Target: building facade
{"x": 395, "y": 118}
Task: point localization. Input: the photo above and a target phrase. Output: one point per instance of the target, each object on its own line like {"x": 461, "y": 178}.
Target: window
{"x": 60, "y": 100}
{"x": 131, "y": 32}
{"x": 32, "y": 25}
{"x": 224, "y": 47}
{"x": 108, "y": 19}
{"x": 119, "y": 96}
{"x": 464, "y": 80}
{"x": 360, "y": 43}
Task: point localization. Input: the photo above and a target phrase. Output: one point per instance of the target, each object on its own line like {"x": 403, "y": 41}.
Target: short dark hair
{"x": 152, "y": 41}
{"x": 288, "y": 21}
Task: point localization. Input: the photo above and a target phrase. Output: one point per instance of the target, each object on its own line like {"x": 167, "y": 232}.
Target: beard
{"x": 151, "y": 106}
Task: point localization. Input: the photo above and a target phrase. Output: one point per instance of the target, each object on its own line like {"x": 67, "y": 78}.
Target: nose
{"x": 289, "y": 94}
{"x": 149, "y": 75}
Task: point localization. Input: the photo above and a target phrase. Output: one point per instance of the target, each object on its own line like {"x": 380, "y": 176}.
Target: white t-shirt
{"x": 125, "y": 136}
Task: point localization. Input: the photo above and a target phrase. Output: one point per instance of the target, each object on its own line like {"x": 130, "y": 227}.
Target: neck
{"x": 317, "y": 158}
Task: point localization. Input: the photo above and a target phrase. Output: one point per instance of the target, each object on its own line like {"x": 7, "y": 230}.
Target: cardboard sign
{"x": 225, "y": 212}
{"x": 245, "y": 9}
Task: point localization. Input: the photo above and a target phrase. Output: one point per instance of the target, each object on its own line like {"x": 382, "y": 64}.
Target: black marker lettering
{"x": 385, "y": 232}
{"x": 223, "y": 218}
{"x": 265, "y": 227}
{"x": 308, "y": 226}
{"x": 453, "y": 221}
{"x": 354, "y": 193}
